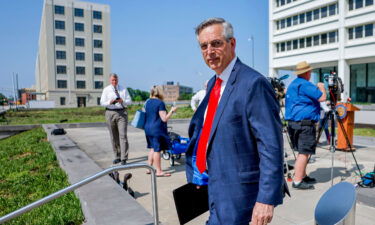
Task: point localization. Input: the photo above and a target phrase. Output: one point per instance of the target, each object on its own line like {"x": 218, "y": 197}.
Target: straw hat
{"x": 302, "y": 68}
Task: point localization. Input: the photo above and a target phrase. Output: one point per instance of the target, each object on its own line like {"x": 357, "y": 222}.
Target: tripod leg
{"x": 320, "y": 131}
{"x": 348, "y": 142}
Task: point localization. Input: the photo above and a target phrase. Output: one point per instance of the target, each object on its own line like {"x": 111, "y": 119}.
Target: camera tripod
{"x": 333, "y": 115}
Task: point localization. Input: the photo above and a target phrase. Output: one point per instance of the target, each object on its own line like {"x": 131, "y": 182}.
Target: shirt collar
{"x": 227, "y": 71}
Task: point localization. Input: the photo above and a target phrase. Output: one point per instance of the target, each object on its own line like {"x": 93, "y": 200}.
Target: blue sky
{"x": 151, "y": 41}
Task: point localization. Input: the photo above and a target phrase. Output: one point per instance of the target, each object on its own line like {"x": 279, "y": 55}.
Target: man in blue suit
{"x": 236, "y": 134}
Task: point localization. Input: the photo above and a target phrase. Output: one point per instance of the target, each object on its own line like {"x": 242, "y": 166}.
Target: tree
{"x": 3, "y": 99}
{"x": 185, "y": 96}
{"x": 138, "y": 95}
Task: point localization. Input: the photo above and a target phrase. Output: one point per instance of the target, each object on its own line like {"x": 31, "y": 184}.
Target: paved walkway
{"x": 296, "y": 210}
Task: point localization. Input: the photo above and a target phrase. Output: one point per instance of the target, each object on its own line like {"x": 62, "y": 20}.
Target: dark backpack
{"x": 58, "y": 131}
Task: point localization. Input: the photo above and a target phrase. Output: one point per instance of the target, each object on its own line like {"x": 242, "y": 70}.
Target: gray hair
{"x": 113, "y": 75}
{"x": 227, "y": 27}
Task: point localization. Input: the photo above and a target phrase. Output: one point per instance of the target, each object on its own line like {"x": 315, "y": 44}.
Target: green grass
{"x": 364, "y": 132}
{"x": 75, "y": 115}
{"x": 29, "y": 171}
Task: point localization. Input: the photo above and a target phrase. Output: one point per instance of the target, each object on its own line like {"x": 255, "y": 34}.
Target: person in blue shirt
{"x": 302, "y": 111}
{"x": 156, "y": 128}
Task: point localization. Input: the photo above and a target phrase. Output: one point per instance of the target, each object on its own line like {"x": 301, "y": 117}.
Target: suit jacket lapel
{"x": 224, "y": 99}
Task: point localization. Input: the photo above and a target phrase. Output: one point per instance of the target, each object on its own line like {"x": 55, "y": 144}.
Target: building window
{"x": 332, "y": 9}
{"x": 98, "y": 43}
{"x": 316, "y": 14}
{"x": 295, "y": 20}
{"x": 79, "y": 27}
{"x": 60, "y": 40}
{"x": 316, "y": 40}
{"x": 62, "y": 84}
{"x": 308, "y": 16}
{"x": 97, "y": 15}
{"x": 98, "y": 29}
{"x": 79, "y": 42}
{"x": 81, "y": 84}
{"x": 278, "y": 24}
{"x": 359, "y": 32}
{"x": 351, "y": 33}
{"x": 62, "y": 100}
{"x": 302, "y": 43}
{"x": 323, "y": 39}
{"x": 282, "y": 24}
{"x": 59, "y": 9}
{"x": 61, "y": 69}
{"x": 362, "y": 82}
{"x": 277, "y": 47}
{"x": 332, "y": 37}
{"x": 302, "y": 18}
{"x": 369, "y": 30}
{"x": 60, "y": 55}
{"x": 295, "y": 44}
{"x": 98, "y": 71}
{"x": 80, "y": 56}
{"x": 308, "y": 42}
{"x": 98, "y": 84}
{"x": 80, "y": 70}
{"x": 59, "y": 25}
{"x": 358, "y": 4}
{"x": 98, "y": 57}
{"x": 289, "y": 21}
{"x": 283, "y": 47}
{"x": 323, "y": 12}
{"x": 98, "y": 101}
{"x": 369, "y": 2}
{"x": 288, "y": 45}
{"x": 78, "y": 12}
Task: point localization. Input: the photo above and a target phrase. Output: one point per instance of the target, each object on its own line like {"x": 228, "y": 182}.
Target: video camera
{"x": 278, "y": 85}
{"x": 334, "y": 87}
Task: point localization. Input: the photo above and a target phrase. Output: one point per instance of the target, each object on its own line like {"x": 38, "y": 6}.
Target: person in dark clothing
{"x": 156, "y": 128}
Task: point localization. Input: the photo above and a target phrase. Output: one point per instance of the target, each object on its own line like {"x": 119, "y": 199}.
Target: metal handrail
{"x": 86, "y": 181}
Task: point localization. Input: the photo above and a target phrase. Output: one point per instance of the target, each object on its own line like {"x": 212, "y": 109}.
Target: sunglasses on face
{"x": 213, "y": 44}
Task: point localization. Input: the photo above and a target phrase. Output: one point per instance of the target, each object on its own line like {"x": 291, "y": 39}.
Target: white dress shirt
{"x": 197, "y": 99}
{"x": 224, "y": 76}
{"x": 109, "y": 94}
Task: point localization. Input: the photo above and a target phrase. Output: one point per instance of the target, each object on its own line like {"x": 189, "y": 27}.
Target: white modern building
{"x": 332, "y": 35}
{"x": 73, "y": 58}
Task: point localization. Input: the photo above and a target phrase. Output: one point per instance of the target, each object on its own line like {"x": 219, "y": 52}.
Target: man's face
{"x": 113, "y": 80}
{"x": 216, "y": 51}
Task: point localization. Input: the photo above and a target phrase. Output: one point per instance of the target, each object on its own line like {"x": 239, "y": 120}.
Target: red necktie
{"x": 202, "y": 145}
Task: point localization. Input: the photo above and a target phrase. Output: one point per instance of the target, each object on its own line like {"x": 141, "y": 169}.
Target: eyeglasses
{"x": 214, "y": 44}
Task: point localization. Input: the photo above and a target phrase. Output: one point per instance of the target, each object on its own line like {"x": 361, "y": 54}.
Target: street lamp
{"x": 251, "y": 38}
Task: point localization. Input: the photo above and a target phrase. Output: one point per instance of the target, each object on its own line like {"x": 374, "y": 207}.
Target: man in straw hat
{"x": 302, "y": 111}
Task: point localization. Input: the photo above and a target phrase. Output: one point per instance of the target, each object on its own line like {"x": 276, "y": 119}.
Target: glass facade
{"x": 362, "y": 82}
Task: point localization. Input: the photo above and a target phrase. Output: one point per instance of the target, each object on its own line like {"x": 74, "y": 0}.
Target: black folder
{"x": 190, "y": 202}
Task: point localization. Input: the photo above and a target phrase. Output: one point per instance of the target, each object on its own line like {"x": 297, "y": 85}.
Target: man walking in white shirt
{"x": 198, "y": 97}
{"x": 115, "y": 99}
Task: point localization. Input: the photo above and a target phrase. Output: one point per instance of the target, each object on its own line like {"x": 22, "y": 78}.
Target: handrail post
{"x": 85, "y": 181}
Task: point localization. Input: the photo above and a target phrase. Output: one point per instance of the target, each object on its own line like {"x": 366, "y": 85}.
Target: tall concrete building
{"x": 73, "y": 59}
{"x": 332, "y": 35}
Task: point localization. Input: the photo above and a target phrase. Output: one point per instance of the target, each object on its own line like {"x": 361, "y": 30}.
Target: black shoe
{"x": 123, "y": 162}
{"x": 309, "y": 180}
{"x": 116, "y": 161}
{"x": 302, "y": 186}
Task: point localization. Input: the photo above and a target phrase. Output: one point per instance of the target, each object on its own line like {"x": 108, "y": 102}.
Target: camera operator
{"x": 302, "y": 111}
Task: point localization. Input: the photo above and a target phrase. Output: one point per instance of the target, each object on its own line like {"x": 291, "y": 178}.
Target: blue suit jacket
{"x": 245, "y": 148}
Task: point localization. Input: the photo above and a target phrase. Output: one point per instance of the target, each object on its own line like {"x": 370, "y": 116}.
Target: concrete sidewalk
{"x": 296, "y": 210}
